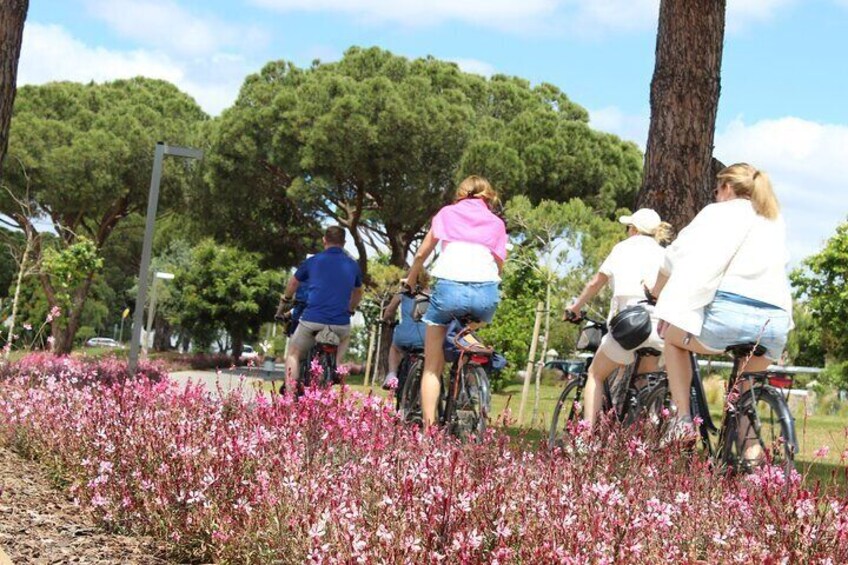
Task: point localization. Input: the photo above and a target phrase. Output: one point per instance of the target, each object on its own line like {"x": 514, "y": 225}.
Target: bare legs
{"x": 395, "y": 355}
{"x": 434, "y": 364}
{"x": 599, "y": 371}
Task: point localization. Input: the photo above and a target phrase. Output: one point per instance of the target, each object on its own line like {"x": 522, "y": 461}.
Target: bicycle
{"x": 761, "y": 412}
{"x": 464, "y": 405}
{"x": 323, "y": 352}
{"x": 636, "y": 385}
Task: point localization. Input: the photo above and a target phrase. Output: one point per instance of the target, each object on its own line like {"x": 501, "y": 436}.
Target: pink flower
{"x": 822, "y": 452}
{"x": 27, "y": 326}
{"x": 54, "y": 313}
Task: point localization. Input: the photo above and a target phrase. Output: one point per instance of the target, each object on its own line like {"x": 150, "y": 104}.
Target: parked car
{"x": 248, "y": 352}
{"x": 567, "y": 367}
{"x": 102, "y": 342}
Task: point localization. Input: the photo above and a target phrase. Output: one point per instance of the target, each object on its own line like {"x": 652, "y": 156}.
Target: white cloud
{"x": 808, "y": 165}
{"x": 632, "y": 127}
{"x": 475, "y": 66}
{"x": 583, "y": 17}
{"x": 164, "y": 23}
{"x": 807, "y": 162}
{"x": 496, "y": 13}
{"x": 50, "y": 53}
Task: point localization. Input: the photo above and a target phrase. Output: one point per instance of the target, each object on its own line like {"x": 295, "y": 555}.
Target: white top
{"x": 729, "y": 247}
{"x": 462, "y": 261}
{"x": 632, "y": 263}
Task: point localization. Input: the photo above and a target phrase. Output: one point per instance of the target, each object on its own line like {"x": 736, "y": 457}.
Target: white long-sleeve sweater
{"x": 728, "y": 247}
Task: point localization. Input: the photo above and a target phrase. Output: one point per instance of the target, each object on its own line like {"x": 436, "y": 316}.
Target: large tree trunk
{"x": 64, "y": 336}
{"x": 12, "y": 16}
{"x": 677, "y": 179}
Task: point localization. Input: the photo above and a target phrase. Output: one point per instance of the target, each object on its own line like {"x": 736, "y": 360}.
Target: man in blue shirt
{"x": 335, "y": 289}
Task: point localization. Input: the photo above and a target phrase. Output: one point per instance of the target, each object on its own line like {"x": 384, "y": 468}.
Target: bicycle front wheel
{"x": 410, "y": 395}
{"x": 566, "y": 412}
{"x": 762, "y": 418}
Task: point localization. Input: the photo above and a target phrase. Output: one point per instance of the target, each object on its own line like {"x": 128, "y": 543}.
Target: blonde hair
{"x": 664, "y": 234}
{"x": 747, "y": 182}
{"x": 476, "y": 187}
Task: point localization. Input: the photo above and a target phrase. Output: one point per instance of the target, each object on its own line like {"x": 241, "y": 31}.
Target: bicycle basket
{"x": 589, "y": 338}
{"x": 327, "y": 336}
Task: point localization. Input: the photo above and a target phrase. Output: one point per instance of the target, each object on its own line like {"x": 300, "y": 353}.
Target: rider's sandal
{"x": 680, "y": 431}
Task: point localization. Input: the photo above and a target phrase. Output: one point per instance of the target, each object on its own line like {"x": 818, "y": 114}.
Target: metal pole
{"x": 146, "y": 250}
{"x": 151, "y": 311}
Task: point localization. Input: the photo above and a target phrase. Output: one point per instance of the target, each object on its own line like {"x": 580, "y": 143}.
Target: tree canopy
{"x": 376, "y": 143}
{"x": 80, "y": 155}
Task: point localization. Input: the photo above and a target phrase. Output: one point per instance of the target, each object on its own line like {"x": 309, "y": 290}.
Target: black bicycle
{"x": 318, "y": 368}
{"x": 624, "y": 392}
{"x": 464, "y": 405}
{"x": 755, "y": 413}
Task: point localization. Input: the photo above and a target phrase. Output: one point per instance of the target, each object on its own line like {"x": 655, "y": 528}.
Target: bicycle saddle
{"x": 745, "y": 349}
{"x": 327, "y": 336}
{"x": 648, "y": 352}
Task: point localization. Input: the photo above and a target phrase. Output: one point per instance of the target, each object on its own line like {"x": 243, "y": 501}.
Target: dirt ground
{"x": 39, "y": 524}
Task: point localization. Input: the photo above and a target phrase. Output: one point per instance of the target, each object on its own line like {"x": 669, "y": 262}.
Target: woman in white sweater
{"x": 724, "y": 282}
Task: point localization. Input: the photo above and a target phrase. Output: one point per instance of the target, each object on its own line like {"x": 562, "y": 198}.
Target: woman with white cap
{"x": 632, "y": 264}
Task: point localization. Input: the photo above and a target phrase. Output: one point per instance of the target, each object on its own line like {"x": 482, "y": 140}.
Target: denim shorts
{"x": 452, "y": 299}
{"x": 408, "y": 336}
{"x": 731, "y": 319}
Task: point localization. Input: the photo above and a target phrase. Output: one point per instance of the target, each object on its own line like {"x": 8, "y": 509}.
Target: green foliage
{"x": 69, "y": 267}
{"x": 376, "y": 142}
{"x": 223, "y": 288}
{"x": 836, "y": 375}
{"x": 84, "y": 334}
{"x": 823, "y": 282}
{"x": 80, "y": 155}
{"x": 804, "y": 346}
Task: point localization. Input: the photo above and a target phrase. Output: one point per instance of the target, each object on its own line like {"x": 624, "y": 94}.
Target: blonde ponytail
{"x": 664, "y": 234}
{"x": 747, "y": 182}
{"x": 477, "y": 187}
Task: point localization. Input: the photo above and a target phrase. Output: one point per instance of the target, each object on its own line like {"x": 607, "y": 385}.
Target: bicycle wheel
{"x": 761, "y": 417}
{"x": 656, "y": 407}
{"x": 410, "y": 396}
{"x": 328, "y": 368}
{"x": 468, "y": 413}
{"x": 566, "y": 411}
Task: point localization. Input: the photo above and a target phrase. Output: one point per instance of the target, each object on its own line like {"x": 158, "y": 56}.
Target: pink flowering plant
{"x": 333, "y": 477}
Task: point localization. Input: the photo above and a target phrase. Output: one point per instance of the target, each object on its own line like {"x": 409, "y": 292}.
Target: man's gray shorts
{"x": 304, "y": 336}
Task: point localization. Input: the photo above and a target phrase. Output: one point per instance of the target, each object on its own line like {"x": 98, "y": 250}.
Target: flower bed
{"x": 334, "y": 478}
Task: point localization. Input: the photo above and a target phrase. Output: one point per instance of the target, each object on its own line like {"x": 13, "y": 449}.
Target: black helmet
{"x": 631, "y": 327}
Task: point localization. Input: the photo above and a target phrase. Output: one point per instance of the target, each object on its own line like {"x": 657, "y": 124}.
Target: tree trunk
{"x": 545, "y": 341}
{"x": 18, "y": 282}
{"x": 64, "y": 336}
{"x": 12, "y": 16}
{"x": 238, "y": 346}
{"x": 677, "y": 180}
{"x": 162, "y": 334}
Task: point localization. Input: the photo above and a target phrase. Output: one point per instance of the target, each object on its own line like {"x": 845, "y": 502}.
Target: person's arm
{"x": 291, "y": 289}
{"x": 391, "y": 309}
{"x": 355, "y": 298}
{"x": 592, "y": 288}
{"x": 500, "y": 264}
{"x": 662, "y": 278}
{"x": 424, "y": 251}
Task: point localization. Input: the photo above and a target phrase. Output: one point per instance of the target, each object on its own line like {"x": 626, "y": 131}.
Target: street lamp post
{"x": 151, "y": 310}
{"x": 161, "y": 150}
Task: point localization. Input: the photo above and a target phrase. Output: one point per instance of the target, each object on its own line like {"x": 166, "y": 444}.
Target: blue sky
{"x": 784, "y": 74}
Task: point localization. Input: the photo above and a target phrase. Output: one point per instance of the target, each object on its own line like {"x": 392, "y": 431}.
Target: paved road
{"x": 212, "y": 381}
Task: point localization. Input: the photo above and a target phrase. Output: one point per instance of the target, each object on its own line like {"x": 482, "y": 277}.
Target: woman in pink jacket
{"x": 467, "y": 273}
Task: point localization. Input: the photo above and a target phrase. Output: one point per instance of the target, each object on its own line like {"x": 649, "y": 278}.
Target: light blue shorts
{"x": 451, "y": 299}
{"x": 409, "y": 335}
{"x": 732, "y": 319}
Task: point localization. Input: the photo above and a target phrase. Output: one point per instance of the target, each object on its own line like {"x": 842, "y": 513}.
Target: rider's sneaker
{"x": 680, "y": 430}
{"x": 391, "y": 382}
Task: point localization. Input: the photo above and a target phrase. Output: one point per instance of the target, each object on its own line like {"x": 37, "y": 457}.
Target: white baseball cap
{"x": 644, "y": 219}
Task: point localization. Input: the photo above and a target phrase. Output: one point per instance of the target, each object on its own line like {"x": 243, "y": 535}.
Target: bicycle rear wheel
{"x": 410, "y": 396}
{"x": 566, "y": 411}
{"x": 467, "y": 410}
{"x": 761, "y": 417}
